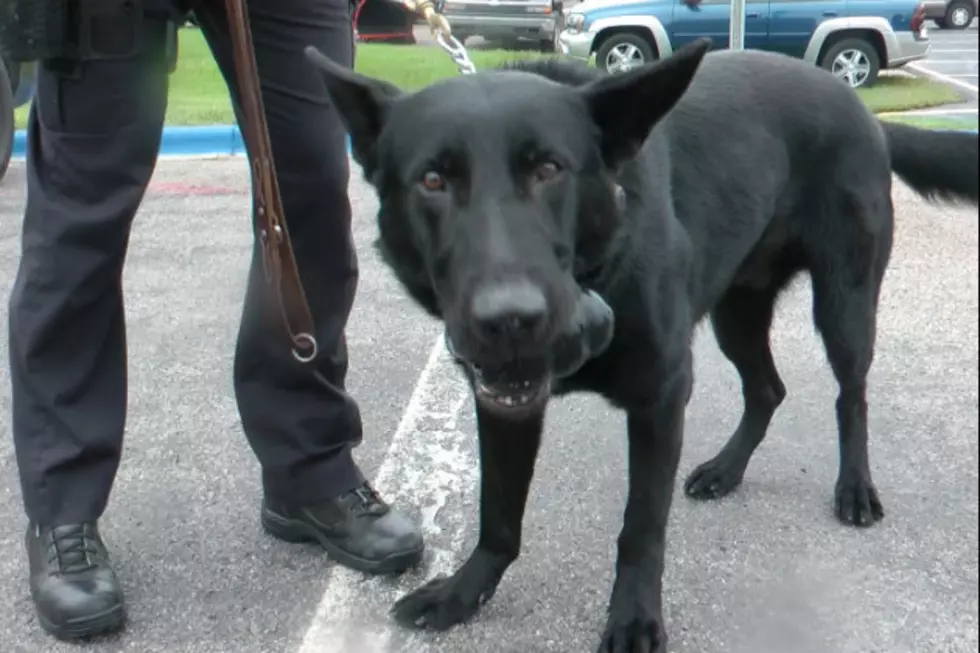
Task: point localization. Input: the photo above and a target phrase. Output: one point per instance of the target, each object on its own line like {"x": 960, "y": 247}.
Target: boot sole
{"x": 101, "y": 623}
{"x": 298, "y": 532}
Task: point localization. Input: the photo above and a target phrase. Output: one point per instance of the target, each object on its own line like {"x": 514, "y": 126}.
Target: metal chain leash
{"x": 457, "y": 52}
{"x": 443, "y": 33}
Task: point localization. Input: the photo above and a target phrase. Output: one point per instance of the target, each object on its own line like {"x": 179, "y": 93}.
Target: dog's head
{"x": 496, "y": 189}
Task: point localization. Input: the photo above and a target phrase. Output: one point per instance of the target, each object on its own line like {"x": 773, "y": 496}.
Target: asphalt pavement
{"x": 767, "y": 570}
{"x": 953, "y": 58}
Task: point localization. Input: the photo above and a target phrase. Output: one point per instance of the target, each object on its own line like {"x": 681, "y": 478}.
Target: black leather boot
{"x": 357, "y": 529}
{"x": 75, "y": 591}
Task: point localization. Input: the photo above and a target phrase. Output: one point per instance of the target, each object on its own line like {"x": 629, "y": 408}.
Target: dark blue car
{"x": 854, "y": 39}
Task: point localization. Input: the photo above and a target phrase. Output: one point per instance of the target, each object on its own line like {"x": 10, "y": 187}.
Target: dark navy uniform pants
{"x": 93, "y": 138}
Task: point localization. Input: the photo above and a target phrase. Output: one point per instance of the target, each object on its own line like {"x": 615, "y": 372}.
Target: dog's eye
{"x": 433, "y": 181}
{"x": 546, "y": 171}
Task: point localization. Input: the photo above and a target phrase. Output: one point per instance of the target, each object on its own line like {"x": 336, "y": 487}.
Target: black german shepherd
{"x": 694, "y": 186}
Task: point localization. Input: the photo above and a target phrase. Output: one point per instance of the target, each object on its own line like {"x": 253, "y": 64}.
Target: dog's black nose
{"x": 511, "y": 311}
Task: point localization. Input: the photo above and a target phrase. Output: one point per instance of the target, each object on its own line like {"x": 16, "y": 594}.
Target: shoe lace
{"x": 368, "y": 500}
{"x": 75, "y": 550}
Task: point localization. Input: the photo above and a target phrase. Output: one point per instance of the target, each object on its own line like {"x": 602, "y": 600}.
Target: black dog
{"x": 697, "y": 185}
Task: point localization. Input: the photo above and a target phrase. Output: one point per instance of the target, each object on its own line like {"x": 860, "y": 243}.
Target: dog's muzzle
{"x": 517, "y": 391}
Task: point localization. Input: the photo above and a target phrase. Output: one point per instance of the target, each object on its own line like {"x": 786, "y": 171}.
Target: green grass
{"x": 901, "y": 93}
{"x": 955, "y": 123}
{"x": 198, "y": 95}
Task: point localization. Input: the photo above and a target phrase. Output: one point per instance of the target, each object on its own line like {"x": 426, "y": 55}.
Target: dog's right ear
{"x": 626, "y": 106}
{"x": 361, "y": 101}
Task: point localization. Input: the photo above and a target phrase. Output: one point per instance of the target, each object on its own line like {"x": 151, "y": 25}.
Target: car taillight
{"x": 918, "y": 18}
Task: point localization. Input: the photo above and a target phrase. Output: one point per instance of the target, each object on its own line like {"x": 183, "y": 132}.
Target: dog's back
{"x": 754, "y": 156}
{"x": 765, "y": 157}
{"x": 767, "y": 154}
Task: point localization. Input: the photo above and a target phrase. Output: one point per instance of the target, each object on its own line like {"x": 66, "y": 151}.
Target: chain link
{"x": 443, "y": 33}
{"x": 457, "y": 52}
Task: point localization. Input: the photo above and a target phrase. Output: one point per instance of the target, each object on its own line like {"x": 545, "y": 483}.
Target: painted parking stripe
{"x": 431, "y": 458}
{"x": 938, "y": 76}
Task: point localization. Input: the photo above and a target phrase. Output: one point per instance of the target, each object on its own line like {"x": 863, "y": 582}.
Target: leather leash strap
{"x": 278, "y": 261}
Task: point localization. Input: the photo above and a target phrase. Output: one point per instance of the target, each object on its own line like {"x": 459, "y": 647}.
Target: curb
{"x": 962, "y": 87}
{"x": 212, "y": 140}
{"x": 955, "y": 114}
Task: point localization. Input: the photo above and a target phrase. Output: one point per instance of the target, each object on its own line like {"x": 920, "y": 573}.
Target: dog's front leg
{"x": 508, "y": 450}
{"x": 635, "y": 622}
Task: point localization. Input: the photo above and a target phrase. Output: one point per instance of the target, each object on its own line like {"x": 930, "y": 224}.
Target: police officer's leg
{"x": 303, "y": 428}
{"x": 92, "y": 143}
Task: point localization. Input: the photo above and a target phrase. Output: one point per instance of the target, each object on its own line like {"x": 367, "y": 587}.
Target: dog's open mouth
{"x": 508, "y": 394}
{"x": 513, "y": 392}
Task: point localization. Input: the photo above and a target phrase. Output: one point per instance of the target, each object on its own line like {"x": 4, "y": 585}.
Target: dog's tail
{"x": 938, "y": 165}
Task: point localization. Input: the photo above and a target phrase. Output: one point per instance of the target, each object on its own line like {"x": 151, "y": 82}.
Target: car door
{"x": 696, "y": 18}
{"x": 793, "y": 22}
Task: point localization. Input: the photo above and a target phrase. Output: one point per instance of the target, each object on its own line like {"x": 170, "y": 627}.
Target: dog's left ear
{"x": 626, "y": 106}
{"x": 361, "y": 101}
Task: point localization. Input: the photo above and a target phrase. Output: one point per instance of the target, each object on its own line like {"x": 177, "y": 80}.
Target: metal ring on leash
{"x": 457, "y": 52}
{"x": 308, "y": 342}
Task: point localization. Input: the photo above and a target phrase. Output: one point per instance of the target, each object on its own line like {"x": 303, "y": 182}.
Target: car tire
{"x": 630, "y": 46}
{"x": 861, "y": 54}
{"x": 6, "y": 119}
{"x": 959, "y": 15}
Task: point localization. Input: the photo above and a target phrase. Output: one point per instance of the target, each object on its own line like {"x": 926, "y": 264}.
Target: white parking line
{"x": 922, "y": 70}
{"x": 427, "y": 462}
{"x": 931, "y": 112}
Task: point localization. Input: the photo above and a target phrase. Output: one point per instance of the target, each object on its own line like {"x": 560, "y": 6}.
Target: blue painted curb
{"x": 179, "y": 141}
{"x": 213, "y": 140}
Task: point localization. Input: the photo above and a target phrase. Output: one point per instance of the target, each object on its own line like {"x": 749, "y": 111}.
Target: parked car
{"x": 951, "y": 14}
{"x": 506, "y": 20}
{"x": 854, "y": 39}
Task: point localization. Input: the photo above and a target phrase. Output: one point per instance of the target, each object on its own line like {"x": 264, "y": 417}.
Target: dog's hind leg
{"x": 847, "y": 269}
{"x": 845, "y": 315}
{"x": 741, "y": 323}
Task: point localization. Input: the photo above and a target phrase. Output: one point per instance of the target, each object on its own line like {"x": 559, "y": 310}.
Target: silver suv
{"x": 506, "y": 20}
{"x": 951, "y": 14}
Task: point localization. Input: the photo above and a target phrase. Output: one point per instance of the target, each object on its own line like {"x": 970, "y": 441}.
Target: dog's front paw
{"x": 715, "y": 478}
{"x": 633, "y": 630}
{"x": 440, "y": 604}
{"x": 856, "y": 501}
